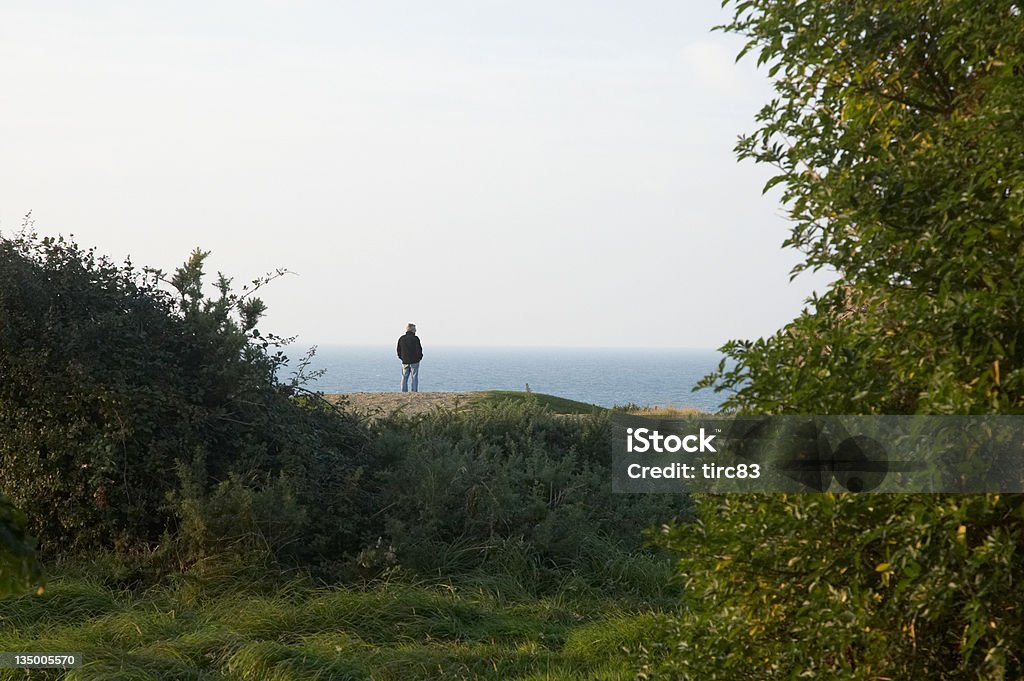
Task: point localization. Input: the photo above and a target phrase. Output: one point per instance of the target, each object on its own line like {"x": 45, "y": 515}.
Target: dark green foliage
{"x": 513, "y": 486}
{"x": 848, "y": 587}
{"x": 19, "y": 568}
{"x": 898, "y": 136}
{"x": 128, "y": 413}
{"x": 899, "y": 140}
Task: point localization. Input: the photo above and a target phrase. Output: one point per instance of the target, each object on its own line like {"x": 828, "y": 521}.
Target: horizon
{"x": 451, "y": 346}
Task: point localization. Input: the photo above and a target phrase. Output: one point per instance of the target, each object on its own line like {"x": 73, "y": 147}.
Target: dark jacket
{"x": 409, "y": 349}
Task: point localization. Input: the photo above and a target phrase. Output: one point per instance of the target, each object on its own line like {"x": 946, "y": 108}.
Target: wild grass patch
{"x": 237, "y": 629}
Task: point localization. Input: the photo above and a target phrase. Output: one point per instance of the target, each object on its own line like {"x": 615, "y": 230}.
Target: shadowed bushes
{"x": 513, "y": 486}
{"x": 134, "y": 409}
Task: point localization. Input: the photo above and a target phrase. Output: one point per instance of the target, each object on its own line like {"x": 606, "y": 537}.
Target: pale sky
{"x": 498, "y": 172}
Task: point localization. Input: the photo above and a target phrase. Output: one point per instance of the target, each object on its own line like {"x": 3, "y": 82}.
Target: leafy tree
{"x": 898, "y": 136}
{"x": 899, "y": 141}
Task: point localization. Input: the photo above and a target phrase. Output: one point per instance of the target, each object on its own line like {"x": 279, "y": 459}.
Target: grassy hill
{"x": 558, "y": 405}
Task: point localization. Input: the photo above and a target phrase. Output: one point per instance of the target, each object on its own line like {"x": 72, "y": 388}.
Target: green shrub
{"x": 847, "y": 586}
{"x": 19, "y": 567}
{"x": 511, "y": 486}
{"x": 128, "y": 412}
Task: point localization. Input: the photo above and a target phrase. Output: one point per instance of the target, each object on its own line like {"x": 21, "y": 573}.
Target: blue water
{"x": 598, "y": 376}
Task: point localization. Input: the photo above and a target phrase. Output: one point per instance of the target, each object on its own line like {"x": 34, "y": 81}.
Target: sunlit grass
{"x": 296, "y": 630}
{"x": 558, "y": 405}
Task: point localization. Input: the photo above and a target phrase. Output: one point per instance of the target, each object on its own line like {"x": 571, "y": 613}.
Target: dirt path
{"x": 383, "y": 404}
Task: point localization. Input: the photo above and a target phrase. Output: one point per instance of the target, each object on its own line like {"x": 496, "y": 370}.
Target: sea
{"x": 606, "y": 377}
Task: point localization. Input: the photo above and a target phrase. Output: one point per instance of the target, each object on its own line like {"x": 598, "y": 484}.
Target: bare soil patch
{"x": 385, "y": 404}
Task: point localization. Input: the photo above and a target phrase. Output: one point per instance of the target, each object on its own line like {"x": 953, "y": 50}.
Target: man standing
{"x": 410, "y": 352}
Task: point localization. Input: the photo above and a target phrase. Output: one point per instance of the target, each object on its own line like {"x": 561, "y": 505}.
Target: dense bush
{"x": 19, "y": 566}
{"x": 846, "y": 586}
{"x": 899, "y": 141}
{"x": 133, "y": 409}
{"x": 511, "y": 486}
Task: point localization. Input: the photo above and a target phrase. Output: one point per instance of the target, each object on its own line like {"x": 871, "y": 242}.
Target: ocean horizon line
{"x": 603, "y": 376}
{"x": 445, "y": 346}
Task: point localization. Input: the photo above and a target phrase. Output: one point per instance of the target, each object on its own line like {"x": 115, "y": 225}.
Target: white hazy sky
{"x": 499, "y": 172}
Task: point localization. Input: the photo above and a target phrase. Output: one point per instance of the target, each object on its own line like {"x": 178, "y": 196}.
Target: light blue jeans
{"x": 414, "y": 371}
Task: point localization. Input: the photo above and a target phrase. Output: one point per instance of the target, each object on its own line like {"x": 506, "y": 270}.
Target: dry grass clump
{"x": 665, "y": 410}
